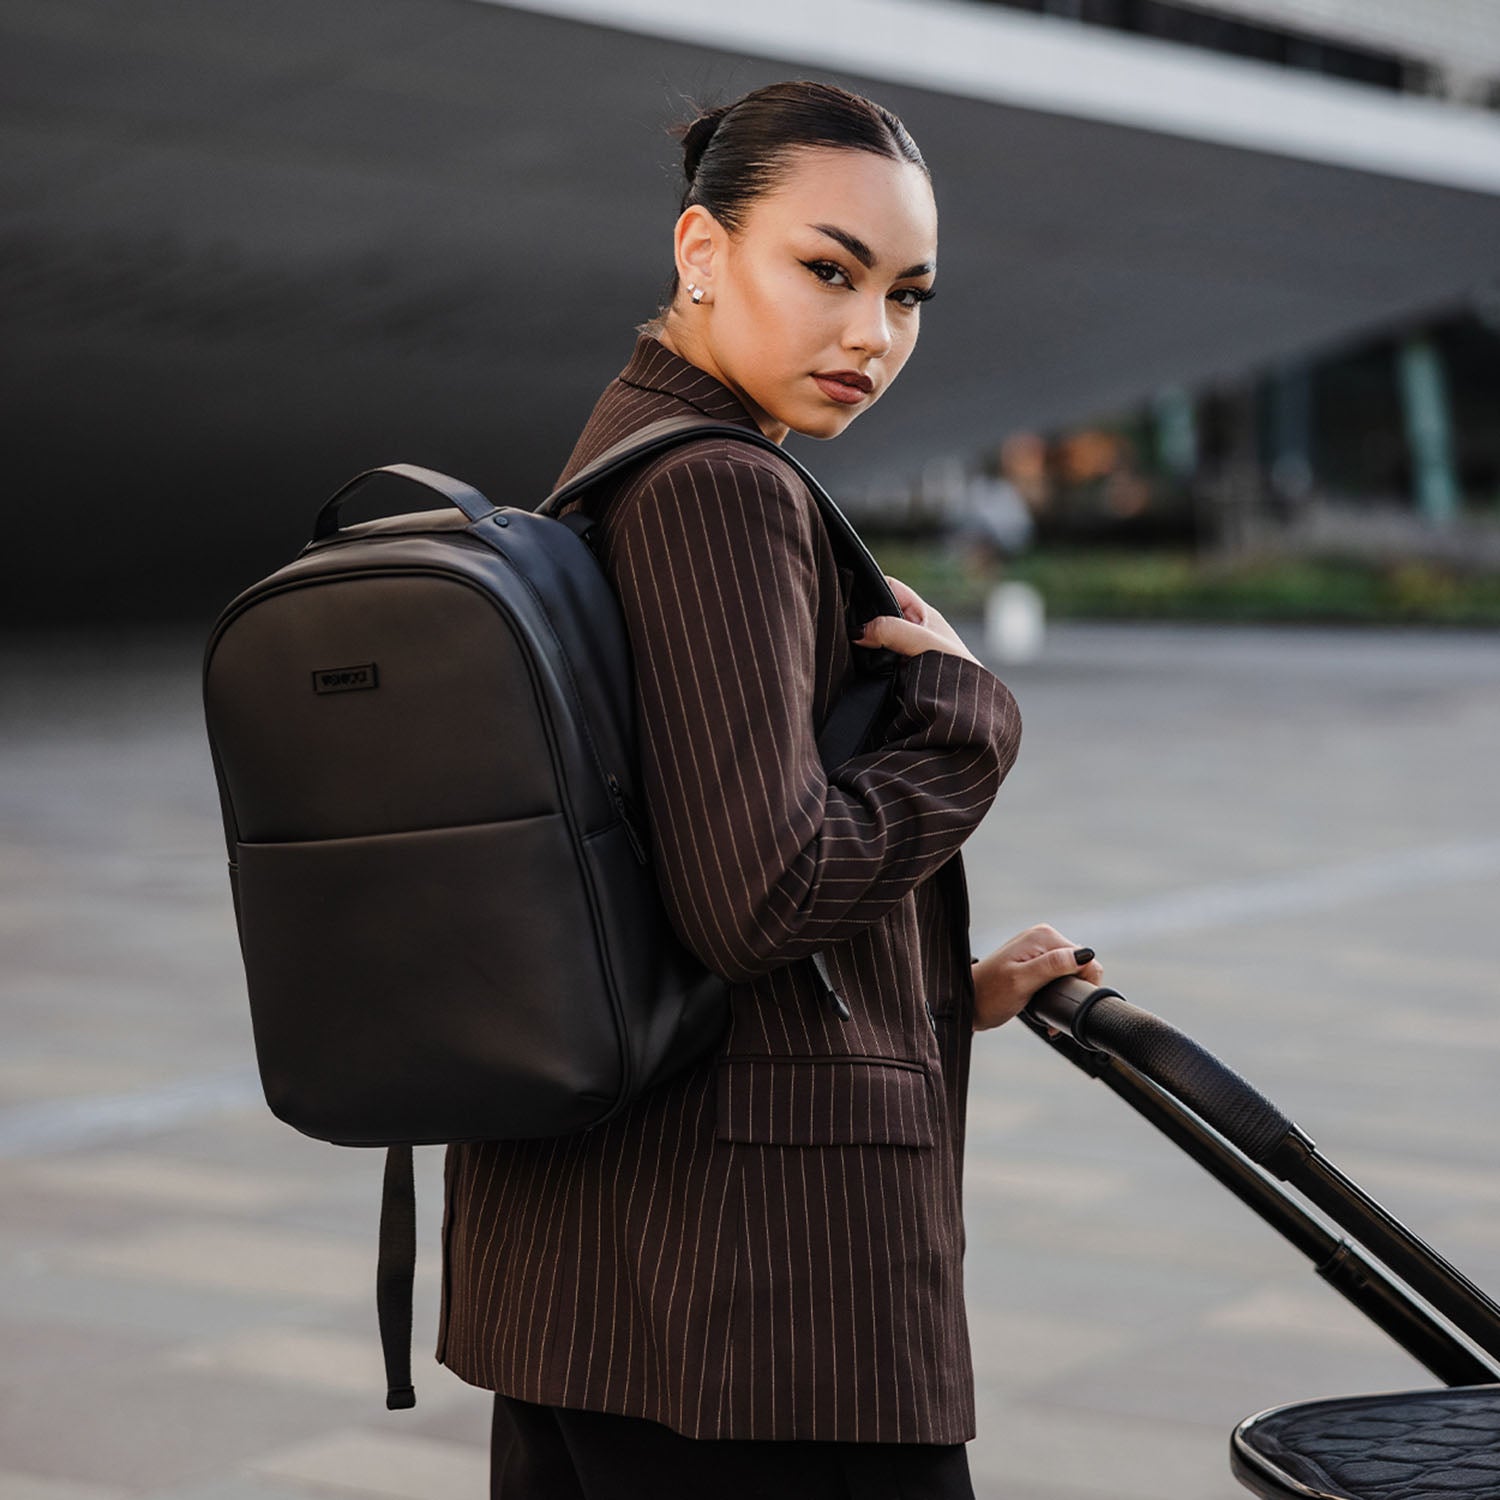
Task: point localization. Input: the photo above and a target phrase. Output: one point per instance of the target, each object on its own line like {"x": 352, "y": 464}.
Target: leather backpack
{"x": 422, "y": 730}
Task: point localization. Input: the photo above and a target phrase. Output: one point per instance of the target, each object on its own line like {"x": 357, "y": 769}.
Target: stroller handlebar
{"x": 1102, "y": 1019}
{"x": 1165, "y": 1075}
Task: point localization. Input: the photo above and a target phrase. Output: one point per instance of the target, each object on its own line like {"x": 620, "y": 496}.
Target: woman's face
{"x": 790, "y": 296}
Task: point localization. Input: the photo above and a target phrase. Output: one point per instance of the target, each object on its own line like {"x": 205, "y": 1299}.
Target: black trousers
{"x": 559, "y": 1453}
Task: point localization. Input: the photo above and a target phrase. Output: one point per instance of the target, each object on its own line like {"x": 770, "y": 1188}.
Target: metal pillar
{"x": 1429, "y": 430}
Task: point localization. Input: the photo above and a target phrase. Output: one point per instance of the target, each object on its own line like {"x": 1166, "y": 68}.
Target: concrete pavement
{"x": 1285, "y": 841}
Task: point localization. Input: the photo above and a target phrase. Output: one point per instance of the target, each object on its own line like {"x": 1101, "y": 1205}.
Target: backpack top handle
{"x": 455, "y": 491}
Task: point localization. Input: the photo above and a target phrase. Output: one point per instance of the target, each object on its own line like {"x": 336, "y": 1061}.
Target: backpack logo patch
{"x": 345, "y": 679}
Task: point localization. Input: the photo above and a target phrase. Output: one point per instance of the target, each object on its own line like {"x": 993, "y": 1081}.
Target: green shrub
{"x": 1113, "y": 584}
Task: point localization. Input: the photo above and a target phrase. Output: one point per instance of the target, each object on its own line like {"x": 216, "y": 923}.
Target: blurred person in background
{"x": 991, "y": 524}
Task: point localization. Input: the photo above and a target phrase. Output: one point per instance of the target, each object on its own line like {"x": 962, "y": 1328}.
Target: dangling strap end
{"x": 395, "y": 1273}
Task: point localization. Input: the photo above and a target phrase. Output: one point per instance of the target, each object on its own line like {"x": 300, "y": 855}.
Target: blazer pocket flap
{"x": 823, "y": 1101}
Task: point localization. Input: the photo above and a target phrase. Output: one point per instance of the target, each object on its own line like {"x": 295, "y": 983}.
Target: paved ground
{"x": 1283, "y": 841}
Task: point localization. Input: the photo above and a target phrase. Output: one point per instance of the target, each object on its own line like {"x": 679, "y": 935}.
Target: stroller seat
{"x": 1441, "y": 1444}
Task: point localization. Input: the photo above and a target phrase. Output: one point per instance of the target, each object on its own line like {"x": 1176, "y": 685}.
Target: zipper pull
{"x": 836, "y": 1000}
{"x": 626, "y": 809}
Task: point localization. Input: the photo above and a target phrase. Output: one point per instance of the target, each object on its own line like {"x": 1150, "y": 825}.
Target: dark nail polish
{"x": 1082, "y": 955}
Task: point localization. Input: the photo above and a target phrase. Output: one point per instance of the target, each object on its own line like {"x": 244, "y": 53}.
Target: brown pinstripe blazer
{"x": 770, "y": 1244}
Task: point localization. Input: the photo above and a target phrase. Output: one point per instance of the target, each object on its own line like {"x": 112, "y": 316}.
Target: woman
{"x": 751, "y": 1279}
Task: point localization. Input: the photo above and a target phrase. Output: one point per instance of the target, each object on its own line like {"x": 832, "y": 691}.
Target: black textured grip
{"x": 1192, "y": 1074}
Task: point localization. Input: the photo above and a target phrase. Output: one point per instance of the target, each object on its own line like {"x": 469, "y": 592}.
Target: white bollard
{"x": 1014, "y": 621}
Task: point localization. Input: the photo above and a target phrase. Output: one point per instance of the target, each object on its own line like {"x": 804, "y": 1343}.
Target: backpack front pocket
{"x": 403, "y": 986}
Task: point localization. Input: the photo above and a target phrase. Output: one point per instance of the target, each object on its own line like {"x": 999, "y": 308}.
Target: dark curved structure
{"x": 247, "y": 250}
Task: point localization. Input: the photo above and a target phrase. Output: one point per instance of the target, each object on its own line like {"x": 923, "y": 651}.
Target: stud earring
{"x": 697, "y": 292}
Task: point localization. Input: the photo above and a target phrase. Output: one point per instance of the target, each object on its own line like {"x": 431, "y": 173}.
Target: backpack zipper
{"x": 626, "y": 808}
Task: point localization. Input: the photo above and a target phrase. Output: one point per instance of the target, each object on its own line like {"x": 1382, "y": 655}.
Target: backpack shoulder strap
{"x": 855, "y": 712}
{"x": 668, "y": 432}
{"x": 863, "y": 702}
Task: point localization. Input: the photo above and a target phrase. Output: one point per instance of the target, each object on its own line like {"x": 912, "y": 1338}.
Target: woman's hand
{"x": 1016, "y": 970}
{"x": 920, "y": 628}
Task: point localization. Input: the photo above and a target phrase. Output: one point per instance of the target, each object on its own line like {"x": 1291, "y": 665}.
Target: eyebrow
{"x": 862, "y": 252}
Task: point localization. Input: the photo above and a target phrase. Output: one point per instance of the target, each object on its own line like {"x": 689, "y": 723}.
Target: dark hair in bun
{"x": 695, "y": 136}
{"x": 735, "y": 153}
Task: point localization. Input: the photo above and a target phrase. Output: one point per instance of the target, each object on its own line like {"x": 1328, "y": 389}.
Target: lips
{"x": 836, "y": 390}
{"x": 848, "y": 377}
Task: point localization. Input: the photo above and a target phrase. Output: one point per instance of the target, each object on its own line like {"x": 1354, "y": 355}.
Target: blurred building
{"x": 248, "y": 251}
{"x": 1447, "y": 48}
{"x": 1378, "y": 445}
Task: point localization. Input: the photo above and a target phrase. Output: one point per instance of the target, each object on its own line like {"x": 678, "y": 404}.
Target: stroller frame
{"x": 1302, "y": 1450}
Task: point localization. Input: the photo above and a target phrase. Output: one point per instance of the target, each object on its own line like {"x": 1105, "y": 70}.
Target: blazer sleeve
{"x": 760, "y": 856}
